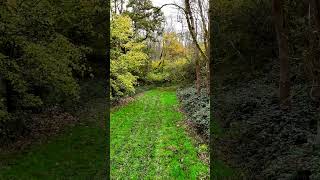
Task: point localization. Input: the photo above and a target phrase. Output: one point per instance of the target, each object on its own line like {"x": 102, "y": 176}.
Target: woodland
{"x": 239, "y": 80}
{"x": 265, "y": 84}
{"x": 53, "y": 89}
{"x": 264, "y": 62}
{"x": 159, "y": 89}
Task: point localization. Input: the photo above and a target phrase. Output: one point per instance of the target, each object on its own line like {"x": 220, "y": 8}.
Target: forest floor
{"x": 259, "y": 138}
{"x": 149, "y": 140}
{"x": 77, "y": 152}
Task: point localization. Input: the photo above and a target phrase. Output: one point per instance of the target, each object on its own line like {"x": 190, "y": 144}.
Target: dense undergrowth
{"x": 46, "y": 50}
{"x": 197, "y": 108}
{"x": 260, "y": 138}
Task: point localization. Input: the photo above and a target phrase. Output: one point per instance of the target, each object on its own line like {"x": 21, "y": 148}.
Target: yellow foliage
{"x": 169, "y": 71}
{"x": 172, "y": 48}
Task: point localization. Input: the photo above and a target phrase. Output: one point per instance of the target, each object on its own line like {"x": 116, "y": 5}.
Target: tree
{"x": 197, "y": 60}
{"x": 204, "y": 25}
{"x": 205, "y": 39}
{"x": 172, "y": 48}
{"x": 192, "y": 30}
{"x": 118, "y": 6}
{"x": 127, "y": 57}
{"x": 282, "y": 36}
{"x": 191, "y": 26}
{"x": 44, "y": 51}
{"x": 146, "y": 19}
{"x": 190, "y": 18}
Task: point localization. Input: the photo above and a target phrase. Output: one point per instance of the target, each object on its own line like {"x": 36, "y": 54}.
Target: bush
{"x": 127, "y": 58}
{"x": 197, "y": 108}
{"x": 174, "y": 71}
{"x": 44, "y": 47}
{"x": 158, "y": 77}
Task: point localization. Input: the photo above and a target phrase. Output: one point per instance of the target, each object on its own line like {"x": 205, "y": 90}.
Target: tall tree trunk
{"x": 115, "y": 6}
{"x": 189, "y": 17}
{"x": 208, "y": 77}
{"x": 191, "y": 27}
{"x": 198, "y": 68}
{"x": 198, "y": 75}
{"x": 209, "y": 53}
{"x": 121, "y": 6}
{"x": 205, "y": 38}
{"x": 281, "y": 30}
{"x": 204, "y": 26}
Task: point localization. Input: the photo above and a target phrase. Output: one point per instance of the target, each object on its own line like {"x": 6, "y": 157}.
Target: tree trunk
{"x": 205, "y": 38}
{"x": 209, "y": 52}
{"x": 204, "y": 26}
{"x": 198, "y": 75}
{"x": 121, "y": 6}
{"x": 198, "y": 68}
{"x": 115, "y": 6}
{"x": 208, "y": 77}
{"x": 191, "y": 27}
{"x": 281, "y": 31}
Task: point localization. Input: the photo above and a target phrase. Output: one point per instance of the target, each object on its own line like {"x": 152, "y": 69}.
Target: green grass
{"x": 147, "y": 141}
{"x": 78, "y": 153}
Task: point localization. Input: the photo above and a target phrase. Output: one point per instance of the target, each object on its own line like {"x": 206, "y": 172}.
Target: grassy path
{"x": 147, "y": 141}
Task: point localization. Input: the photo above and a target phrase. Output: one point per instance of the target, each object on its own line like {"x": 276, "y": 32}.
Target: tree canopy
{"x": 46, "y": 48}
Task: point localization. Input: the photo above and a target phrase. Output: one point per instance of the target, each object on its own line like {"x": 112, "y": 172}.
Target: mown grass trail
{"x": 147, "y": 141}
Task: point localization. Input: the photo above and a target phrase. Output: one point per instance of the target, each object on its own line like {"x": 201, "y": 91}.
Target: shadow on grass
{"x": 220, "y": 169}
{"x": 77, "y": 153}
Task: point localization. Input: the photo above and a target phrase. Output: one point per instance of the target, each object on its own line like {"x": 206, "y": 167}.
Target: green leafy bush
{"x": 44, "y": 47}
{"x": 197, "y": 107}
{"x": 174, "y": 71}
{"x": 158, "y": 77}
{"x": 47, "y": 68}
{"x": 127, "y": 57}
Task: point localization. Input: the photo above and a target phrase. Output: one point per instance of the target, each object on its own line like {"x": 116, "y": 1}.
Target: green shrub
{"x": 43, "y": 54}
{"x": 127, "y": 58}
{"x": 174, "y": 71}
{"x": 197, "y": 107}
{"x": 158, "y": 77}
